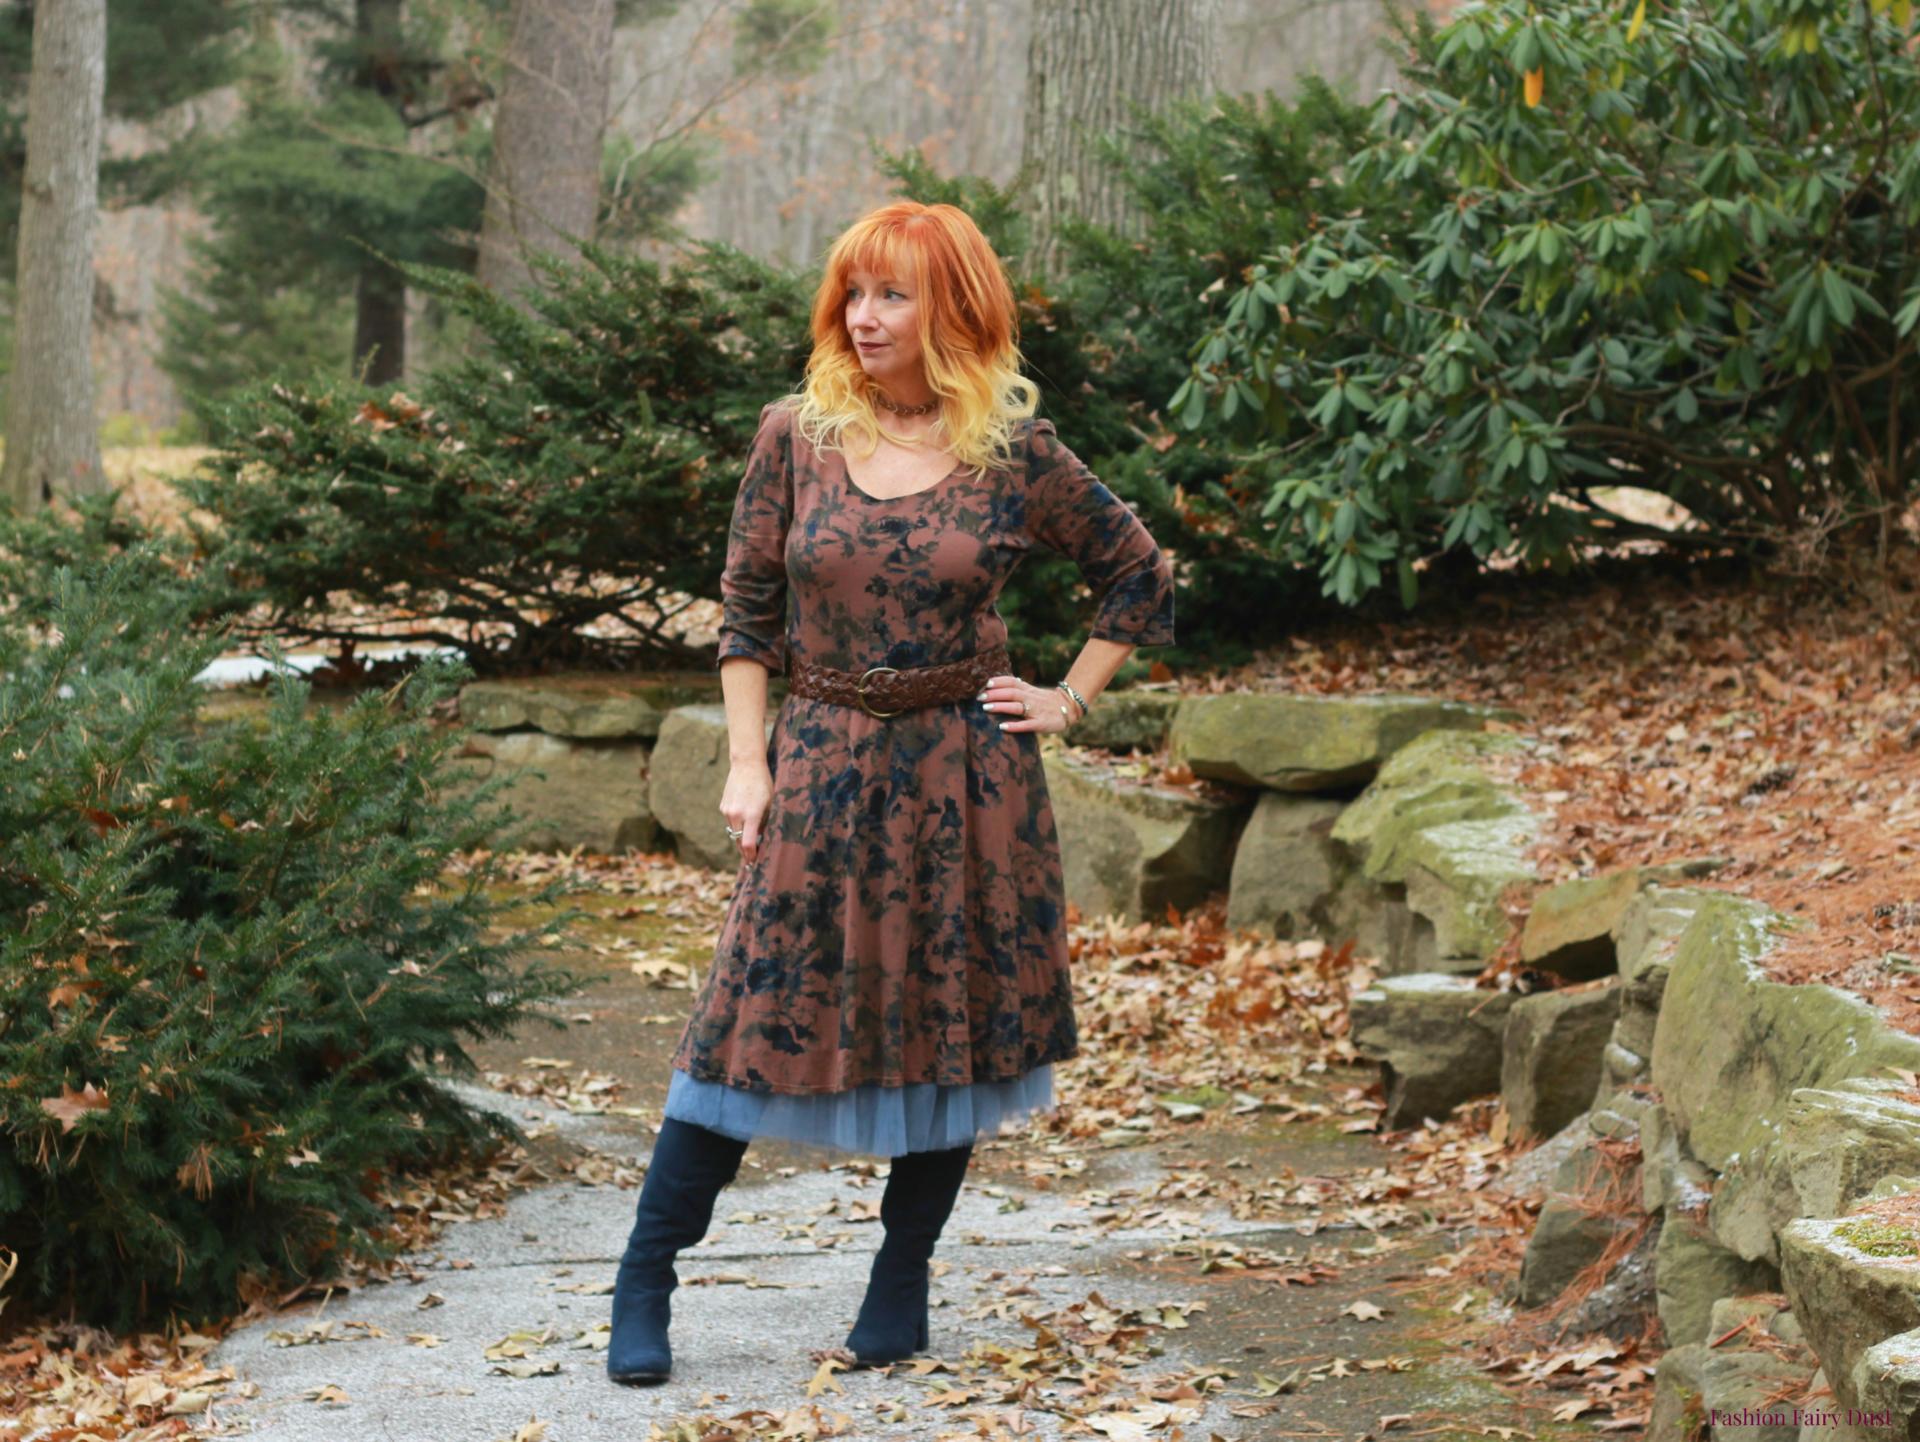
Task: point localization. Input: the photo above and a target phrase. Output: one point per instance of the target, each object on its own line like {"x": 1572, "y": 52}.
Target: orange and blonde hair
{"x": 969, "y": 335}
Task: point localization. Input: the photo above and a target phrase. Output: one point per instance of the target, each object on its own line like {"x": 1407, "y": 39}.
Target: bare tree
{"x": 1087, "y": 62}
{"x": 53, "y": 442}
{"x": 544, "y": 184}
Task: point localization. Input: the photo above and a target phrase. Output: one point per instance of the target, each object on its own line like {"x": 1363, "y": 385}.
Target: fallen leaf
{"x": 71, "y": 1105}
{"x": 526, "y": 1369}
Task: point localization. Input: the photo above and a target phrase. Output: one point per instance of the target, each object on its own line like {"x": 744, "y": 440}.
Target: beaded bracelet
{"x": 1078, "y": 700}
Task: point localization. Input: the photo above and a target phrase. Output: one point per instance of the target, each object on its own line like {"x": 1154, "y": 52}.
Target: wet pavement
{"x": 502, "y": 1327}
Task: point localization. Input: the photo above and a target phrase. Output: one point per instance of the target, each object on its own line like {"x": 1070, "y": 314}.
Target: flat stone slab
{"x": 1130, "y": 718}
{"x": 1853, "y": 1283}
{"x": 1309, "y": 743}
{"x": 1437, "y": 1037}
{"x": 1550, "y": 1067}
{"x": 1133, "y": 848}
{"x": 1437, "y": 822}
{"x": 586, "y": 706}
{"x": 1287, "y": 872}
{"x": 569, "y": 793}
{"x": 1570, "y": 927}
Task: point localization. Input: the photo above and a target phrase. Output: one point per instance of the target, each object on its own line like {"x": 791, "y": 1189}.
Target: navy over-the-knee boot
{"x": 921, "y": 1190}
{"x": 690, "y": 1166}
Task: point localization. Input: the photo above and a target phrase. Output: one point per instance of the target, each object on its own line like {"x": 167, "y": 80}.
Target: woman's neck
{"x": 916, "y": 429}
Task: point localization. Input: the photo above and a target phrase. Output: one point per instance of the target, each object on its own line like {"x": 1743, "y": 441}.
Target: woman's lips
{"x": 877, "y": 345}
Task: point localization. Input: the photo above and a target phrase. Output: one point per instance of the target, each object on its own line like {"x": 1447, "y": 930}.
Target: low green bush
{"x": 598, "y": 439}
{"x": 232, "y": 966}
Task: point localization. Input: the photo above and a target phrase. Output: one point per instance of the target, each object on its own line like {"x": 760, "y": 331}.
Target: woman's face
{"x": 882, "y": 323}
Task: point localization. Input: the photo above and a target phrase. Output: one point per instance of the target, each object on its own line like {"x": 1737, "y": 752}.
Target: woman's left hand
{"x": 1046, "y": 708}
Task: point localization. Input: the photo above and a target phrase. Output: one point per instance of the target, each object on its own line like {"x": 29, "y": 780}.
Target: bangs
{"x": 884, "y": 254}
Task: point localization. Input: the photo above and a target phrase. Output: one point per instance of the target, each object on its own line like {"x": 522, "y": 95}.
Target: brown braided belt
{"x": 886, "y": 690}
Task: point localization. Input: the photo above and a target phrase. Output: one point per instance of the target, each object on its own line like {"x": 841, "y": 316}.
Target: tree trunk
{"x": 53, "y": 440}
{"x": 1087, "y": 62}
{"x": 543, "y": 186}
{"x": 380, "y": 299}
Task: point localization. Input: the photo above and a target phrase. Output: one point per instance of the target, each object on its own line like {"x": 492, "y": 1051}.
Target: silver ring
{"x": 736, "y": 835}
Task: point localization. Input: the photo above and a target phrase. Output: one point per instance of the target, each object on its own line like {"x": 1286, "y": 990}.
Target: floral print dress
{"x": 892, "y": 973}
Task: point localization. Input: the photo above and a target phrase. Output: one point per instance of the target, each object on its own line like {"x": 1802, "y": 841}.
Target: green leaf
{"x": 1839, "y": 301}
{"x": 1345, "y": 517}
{"x": 1526, "y": 49}
{"x": 1179, "y": 397}
{"x": 1332, "y": 402}
{"x": 1344, "y": 576}
{"x": 1903, "y": 320}
{"x": 1195, "y": 409}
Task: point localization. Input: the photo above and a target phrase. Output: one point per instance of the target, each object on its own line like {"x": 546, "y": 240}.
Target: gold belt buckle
{"x": 860, "y": 687}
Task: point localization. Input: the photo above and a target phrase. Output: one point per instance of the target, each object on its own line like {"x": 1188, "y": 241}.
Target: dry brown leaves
{"x": 1765, "y": 722}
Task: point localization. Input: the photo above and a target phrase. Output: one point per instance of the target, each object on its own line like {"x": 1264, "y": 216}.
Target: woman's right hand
{"x": 744, "y": 803}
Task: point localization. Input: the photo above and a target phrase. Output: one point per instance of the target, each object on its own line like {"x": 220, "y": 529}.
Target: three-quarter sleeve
{"x": 753, "y": 586}
{"x": 1071, "y": 510}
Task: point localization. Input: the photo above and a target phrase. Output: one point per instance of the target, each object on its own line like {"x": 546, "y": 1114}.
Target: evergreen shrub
{"x": 550, "y": 500}
{"x": 232, "y": 967}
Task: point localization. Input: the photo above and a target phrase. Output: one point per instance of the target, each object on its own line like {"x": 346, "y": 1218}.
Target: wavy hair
{"x": 969, "y": 333}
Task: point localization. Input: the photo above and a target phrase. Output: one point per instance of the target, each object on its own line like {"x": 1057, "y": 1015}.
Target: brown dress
{"x": 904, "y": 922}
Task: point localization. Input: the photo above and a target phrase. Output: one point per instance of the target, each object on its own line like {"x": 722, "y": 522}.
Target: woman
{"x": 892, "y": 974}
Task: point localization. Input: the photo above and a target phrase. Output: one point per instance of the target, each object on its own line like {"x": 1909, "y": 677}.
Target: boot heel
{"x": 892, "y": 1324}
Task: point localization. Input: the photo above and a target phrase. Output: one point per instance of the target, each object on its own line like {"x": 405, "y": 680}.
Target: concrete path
{"x": 782, "y": 1273}
{"x": 1088, "y": 1291}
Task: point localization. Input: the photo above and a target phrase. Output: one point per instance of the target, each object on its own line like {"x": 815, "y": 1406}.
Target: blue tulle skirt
{"x": 873, "y": 1120}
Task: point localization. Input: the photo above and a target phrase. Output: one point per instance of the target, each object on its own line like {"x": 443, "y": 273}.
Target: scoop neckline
{"x": 846, "y": 476}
